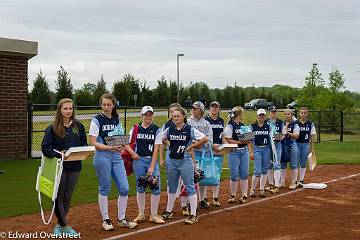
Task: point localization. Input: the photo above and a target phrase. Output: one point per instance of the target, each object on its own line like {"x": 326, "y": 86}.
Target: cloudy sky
{"x": 248, "y": 42}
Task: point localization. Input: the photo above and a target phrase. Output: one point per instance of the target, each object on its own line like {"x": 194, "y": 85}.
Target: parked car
{"x": 258, "y": 103}
{"x": 292, "y": 105}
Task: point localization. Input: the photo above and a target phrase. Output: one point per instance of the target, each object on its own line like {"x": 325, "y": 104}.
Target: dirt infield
{"x": 333, "y": 213}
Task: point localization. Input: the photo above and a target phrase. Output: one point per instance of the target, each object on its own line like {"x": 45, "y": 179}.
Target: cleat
{"x": 127, "y": 223}
{"x": 292, "y": 186}
{"x": 107, "y": 225}
{"x": 167, "y": 215}
{"x": 216, "y": 202}
{"x": 139, "y": 218}
{"x": 243, "y": 199}
{"x": 156, "y": 219}
{"x": 252, "y": 193}
{"x": 185, "y": 211}
{"x": 58, "y": 230}
{"x": 232, "y": 199}
{"x": 191, "y": 220}
{"x": 282, "y": 185}
{"x": 262, "y": 194}
{"x": 207, "y": 202}
{"x": 275, "y": 190}
{"x": 300, "y": 184}
{"x": 70, "y": 232}
{"x": 203, "y": 204}
{"x": 269, "y": 188}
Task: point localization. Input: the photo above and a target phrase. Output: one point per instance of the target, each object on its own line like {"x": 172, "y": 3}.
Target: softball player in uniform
{"x": 306, "y": 136}
{"x": 148, "y": 140}
{"x": 290, "y": 151}
{"x": 261, "y": 153}
{"x": 198, "y": 122}
{"x": 217, "y": 125}
{"x": 179, "y": 138}
{"x": 274, "y": 168}
{"x": 108, "y": 163}
{"x": 238, "y": 158}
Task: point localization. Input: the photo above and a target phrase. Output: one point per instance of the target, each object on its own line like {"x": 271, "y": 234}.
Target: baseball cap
{"x": 199, "y": 104}
{"x": 272, "y": 109}
{"x": 215, "y": 103}
{"x": 261, "y": 111}
{"x": 146, "y": 109}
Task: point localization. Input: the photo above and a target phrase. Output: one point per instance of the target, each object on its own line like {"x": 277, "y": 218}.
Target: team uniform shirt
{"x": 232, "y": 130}
{"x": 202, "y": 126}
{"x": 181, "y": 139}
{"x": 146, "y": 138}
{"x": 278, "y": 124}
{"x": 262, "y": 134}
{"x": 293, "y": 127}
{"x": 217, "y": 126}
{"x": 101, "y": 126}
{"x": 306, "y": 130}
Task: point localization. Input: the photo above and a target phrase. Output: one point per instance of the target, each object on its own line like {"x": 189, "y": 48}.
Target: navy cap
{"x": 272, "y": 109}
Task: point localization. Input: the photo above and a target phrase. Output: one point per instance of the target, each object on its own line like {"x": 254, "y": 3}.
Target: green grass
{"x": 17, "y": 185}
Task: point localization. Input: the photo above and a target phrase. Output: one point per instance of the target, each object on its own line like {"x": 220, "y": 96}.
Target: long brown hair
{"x": 183, "y": 112}
{"x": 111, "y": 97}
{"x": 58, "y": 125}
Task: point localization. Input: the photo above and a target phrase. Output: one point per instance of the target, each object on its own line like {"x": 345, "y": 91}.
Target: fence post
{"x": 30, "y": 128}
{"x": 125, "y": 118}
{"x": 341, "y": 126}
{"x": 319, "y": 127}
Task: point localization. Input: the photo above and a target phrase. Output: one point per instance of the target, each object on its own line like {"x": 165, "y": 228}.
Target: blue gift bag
{"x": 212, "y": 167}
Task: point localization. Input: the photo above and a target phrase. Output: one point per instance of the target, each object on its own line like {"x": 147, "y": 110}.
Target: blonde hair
{"x": 236, "y": 111}
{"x": 58, "y": 125}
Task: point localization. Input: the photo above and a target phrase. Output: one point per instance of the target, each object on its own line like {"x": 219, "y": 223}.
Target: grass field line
{"x": 224, "y": 209}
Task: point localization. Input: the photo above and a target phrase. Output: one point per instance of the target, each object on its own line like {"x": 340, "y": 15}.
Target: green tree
{"x": 161, "y": 93}
{"x": 125, "y": 89}
{"x": 99, "y": 90}
{"x": 40, "y": 93}
{"x": 84, "y": 96}
{"x": 64, "y": 88}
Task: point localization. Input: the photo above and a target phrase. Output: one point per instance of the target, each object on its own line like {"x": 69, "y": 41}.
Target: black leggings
{"x": 66, "y": 189}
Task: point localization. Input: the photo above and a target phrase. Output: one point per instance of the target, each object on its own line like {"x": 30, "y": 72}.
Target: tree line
{"x": 317, "y": 93}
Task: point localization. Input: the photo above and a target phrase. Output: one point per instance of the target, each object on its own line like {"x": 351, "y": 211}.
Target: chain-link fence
{"x": 330, "y": 126}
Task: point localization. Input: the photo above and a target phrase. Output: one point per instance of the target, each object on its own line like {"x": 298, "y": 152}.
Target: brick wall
{"x": 13, "y": 107}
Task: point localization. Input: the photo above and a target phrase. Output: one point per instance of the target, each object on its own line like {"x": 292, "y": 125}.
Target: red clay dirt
{"x": 333, "y": 213}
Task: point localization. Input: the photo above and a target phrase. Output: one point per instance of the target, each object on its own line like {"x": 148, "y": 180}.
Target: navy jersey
{"x": 236, "y": 132}
{"x": 262, "y": 134}
{"x": 217, "y": 126}
{"x": 106, "y": 125}
{"x": 168, "y": 124}
{"x": 290, "y": 129}
{"x": 305, "y": 130}
{"x": 145, "y": 140}
{"x": 179, "y": 140}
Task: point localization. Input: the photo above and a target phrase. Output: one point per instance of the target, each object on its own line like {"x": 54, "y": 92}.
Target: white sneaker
{"x": 156, "y": 219}
{"x": 139, "y": 218}
{"x": 127, "y": 223}
{"x": 292, "y": 186}
{"x": 107, "y": 225}
{"x": 252, "y": 193}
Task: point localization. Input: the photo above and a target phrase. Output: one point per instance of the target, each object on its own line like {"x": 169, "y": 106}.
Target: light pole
{"x": 178, "y": 81}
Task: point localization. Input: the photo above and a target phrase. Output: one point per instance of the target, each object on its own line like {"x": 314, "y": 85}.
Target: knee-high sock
{"x": 233, "y": 187}
{"x": 277, "y": 177}
{"x": 244, "y": 185}
{"x": 202, "y": 192}
{"x": 263, "y": 179}
{"x": 254, "y": 182}
{"x": 140, "y": 197}
{"x": 122, "y": 204}
{"x": 155, "y": 199}
{"x": 104, "y": 206}
{"x": 282, "y": 175}
{"x": 193, "y": 204}
{"x": 294, "y": 175}
{"x": 215, "y": 190}
{"x": 302, "y": 173}
{"x": 170, "y": 202}
{"x": 271, "y": 176}
{"x": 183, "y": 201}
